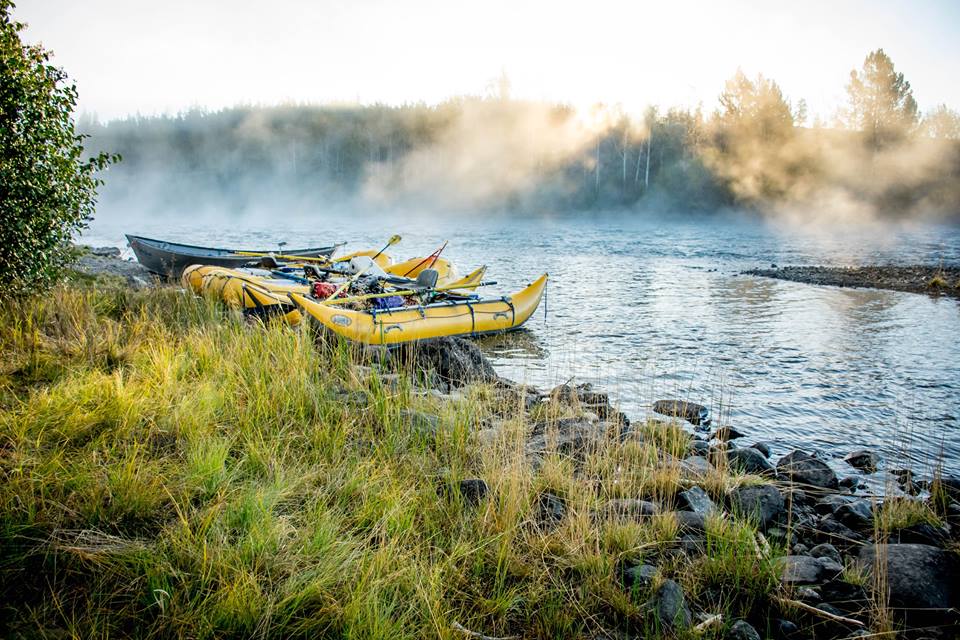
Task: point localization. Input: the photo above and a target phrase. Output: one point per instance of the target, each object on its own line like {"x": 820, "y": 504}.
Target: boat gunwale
{"x": 238, "y": 253}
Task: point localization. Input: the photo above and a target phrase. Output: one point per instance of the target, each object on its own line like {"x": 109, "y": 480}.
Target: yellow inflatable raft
{"x": 264, "y": 292}
{"x": 443, "y": 318}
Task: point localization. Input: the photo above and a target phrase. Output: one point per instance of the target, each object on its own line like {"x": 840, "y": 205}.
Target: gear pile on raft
{"x": 363, "y": 296}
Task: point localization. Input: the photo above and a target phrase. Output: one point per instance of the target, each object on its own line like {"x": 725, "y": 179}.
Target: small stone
{"x": 423, "y": 424}
{"x": 762, "y": 447}
{"x": 551, "y": 509}
{"x": 850, "y": 483}
{"x": 826, "y": 550}
{"x": 695, "y": 499}
{"x": 750, "y": 460}
{"x": 856, "y": 515}
{"x": 726, "y": 434}
{"x": 800, "y": 549}
{"x": 803, "y": 468}
{"x": 473, "y": 490}
{"x": 692, "y": 412}
{"x": 699, "y": 448}
{"x": 742, "y": 630}
{"x": 799, "y": 570}
{"x": 695, "y": 467}
{"x": 629, "y": 508}
{"x": 693, "y": 545}
{"x": 690, "y": 521}
{"x": 764, "y": 502}
{"x": 830, "y": 503}
{"x": 863, "y": 460}
{"x": 670, "y": 606}
{"x": 785, "y": 629}
{"x": 806, "y": 594}
{"x": 637, "y": 576}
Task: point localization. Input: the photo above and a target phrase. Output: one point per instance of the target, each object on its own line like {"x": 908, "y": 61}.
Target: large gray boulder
{"x": 763, "y": 503}
{"x": 799, "y": 570}
{"x": 456, "y": 361}
{"x": 695, "y": 499}
{"x": 802, "y": 468}
{"x": 917, "y": 576}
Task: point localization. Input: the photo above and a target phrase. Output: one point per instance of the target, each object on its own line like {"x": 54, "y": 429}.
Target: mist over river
{"x": 651, "y": 308}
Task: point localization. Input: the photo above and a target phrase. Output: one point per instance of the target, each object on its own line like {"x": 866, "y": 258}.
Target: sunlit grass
{"x": 170, "y": 469}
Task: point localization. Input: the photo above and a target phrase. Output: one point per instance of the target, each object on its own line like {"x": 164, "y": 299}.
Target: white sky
{"x": 145, "y": 56}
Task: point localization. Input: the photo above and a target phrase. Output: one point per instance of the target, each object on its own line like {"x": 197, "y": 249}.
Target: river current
{"x": 653, "y": 307}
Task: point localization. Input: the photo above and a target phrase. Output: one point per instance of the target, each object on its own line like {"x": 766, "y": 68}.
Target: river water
{"x": 653, "y": 307}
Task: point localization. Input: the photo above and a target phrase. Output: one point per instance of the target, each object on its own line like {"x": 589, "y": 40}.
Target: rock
{"x": 808, "y": 570}
{"x": 629, "y": 508}
{"x": 800, "y": 549}
{"x": 670, "y": 606}
{"x": 726, "y": 434}
{"x": 568, "y": 436}
{"x": 829, "y": 528}
{"x": 750, "y": 460}
{"x": 850, "y": 598}
{"x": 692, "y": 412}
{"x": 551, "y": 509}
{"x": 699, "y": 448}
{"x": 785, "y": 629}
{"x": 357, "y": 398}
{"x": 850, "y": 483}
{"x": 863, "y": 460}
{"x": 826, "y": 550}
{"x": 948, "y": 485}
{"x": 763, "y": 502}
{"x": 473, "y": 490}
{"x": 105, "y": 252}
{"x": 830, "y": 503}
{"x": 856, "y": 515}
{"x": 690, "y": 521}
{"x": 762, "y": 447}
{"x": 695, "y": 499}
{"x": 695, "y": 467}
{"x": 917, "y": 576}
{"x": 585, "y": 397}
{"x": 455, "y": 360}
{"x": 423, "y": 424}
{"x": 637, "y": 576}
{"x": 921, "y": 533}
{"x": 742, "y": 630}
{"x": 803, "y": 468}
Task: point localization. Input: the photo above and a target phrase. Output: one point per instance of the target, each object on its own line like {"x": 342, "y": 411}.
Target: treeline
{"x": 756, "y": 150}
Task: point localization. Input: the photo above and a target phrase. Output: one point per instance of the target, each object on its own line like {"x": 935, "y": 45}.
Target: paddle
{"x": 434, "y": 256}
{"x": 394, "y": 239}
{"x": 370, "y": 296}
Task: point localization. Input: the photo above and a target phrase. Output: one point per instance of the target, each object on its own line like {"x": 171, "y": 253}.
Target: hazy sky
{"x": 146, "y": 56}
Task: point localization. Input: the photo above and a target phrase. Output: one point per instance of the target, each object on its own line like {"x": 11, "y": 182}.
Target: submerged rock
{"x": 695, "y": 414}
{"x": 726, "y": 434}
{"x": 805, "y": 469}
{"x": 863, "y": 460}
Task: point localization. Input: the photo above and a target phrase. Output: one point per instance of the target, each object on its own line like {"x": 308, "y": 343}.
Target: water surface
{"x": 650, "y": 309}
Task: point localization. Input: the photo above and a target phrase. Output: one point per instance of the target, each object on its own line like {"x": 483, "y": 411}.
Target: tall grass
{"x": 168, "y": 468}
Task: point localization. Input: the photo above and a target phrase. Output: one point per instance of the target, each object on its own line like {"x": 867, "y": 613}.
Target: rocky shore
{"x": 934, "y": 280}
{"x": 778, "y": 548}
{"x": 108, "y": 262}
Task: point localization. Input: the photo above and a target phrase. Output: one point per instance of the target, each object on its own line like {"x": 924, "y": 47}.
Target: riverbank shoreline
{"x": 204, "y": 474}
{"x": 926, "y": 279}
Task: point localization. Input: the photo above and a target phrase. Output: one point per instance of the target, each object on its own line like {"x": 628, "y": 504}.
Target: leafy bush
{"x": 47, "y": 188}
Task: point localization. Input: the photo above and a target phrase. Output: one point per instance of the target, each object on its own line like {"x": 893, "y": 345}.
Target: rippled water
{"x": 651, "y": 309}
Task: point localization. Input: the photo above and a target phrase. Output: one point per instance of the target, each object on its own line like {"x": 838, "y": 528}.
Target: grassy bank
{"x": 168, "y": 469}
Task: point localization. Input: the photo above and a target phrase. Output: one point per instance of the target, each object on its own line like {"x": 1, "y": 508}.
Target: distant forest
{"x": 756, "y": 151}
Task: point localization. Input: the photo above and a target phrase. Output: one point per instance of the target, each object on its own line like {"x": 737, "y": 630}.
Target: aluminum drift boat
{"x": 454, "y": 317}
{"x": 169, "y": 259}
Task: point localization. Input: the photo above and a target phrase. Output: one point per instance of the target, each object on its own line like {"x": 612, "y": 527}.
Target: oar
{"x": 386, "y": 294}
{"x": 394, "y": 239}
{"x": 435, "y": 255}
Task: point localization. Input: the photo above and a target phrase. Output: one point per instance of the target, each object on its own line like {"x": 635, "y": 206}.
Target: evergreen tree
{"x": 881, "y": 102}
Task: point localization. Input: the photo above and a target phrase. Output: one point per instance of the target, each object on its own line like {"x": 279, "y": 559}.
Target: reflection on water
{"x": 650, "y": 310}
